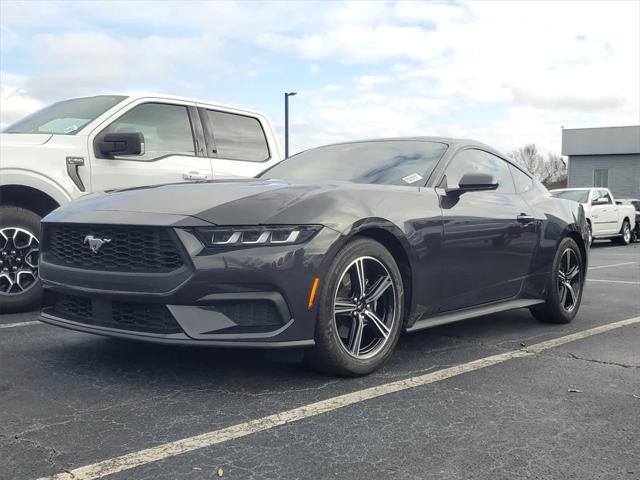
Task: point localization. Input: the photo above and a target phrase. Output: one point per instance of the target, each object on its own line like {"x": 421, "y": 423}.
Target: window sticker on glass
{"x": 413, "y": 178}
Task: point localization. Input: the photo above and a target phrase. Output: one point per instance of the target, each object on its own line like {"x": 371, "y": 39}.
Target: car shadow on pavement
{"x": 125, "y": 361}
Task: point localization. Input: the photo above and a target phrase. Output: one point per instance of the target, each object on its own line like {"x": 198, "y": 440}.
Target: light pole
{"x": 286, "y": 122}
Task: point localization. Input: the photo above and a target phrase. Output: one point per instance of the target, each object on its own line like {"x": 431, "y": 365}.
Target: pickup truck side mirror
{"x": 600, "y": 201}
{"x": 473, "y": 182}
{"x": 122, "y": 144}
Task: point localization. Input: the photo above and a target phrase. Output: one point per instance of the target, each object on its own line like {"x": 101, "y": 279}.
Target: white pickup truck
{"x": 605, "y": 218}
{"x": 104, "y": 142}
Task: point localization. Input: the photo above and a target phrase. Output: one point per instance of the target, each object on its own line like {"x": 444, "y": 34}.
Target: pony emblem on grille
{"x": 95, "y": 244}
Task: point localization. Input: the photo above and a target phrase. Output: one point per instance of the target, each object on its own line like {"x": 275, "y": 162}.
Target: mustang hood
{"x": 236, "y": 202}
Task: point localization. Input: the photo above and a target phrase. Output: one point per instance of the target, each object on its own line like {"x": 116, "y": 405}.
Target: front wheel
{"x": 625, "y": 234}
{"x": 20, "y": 288}
{"x": 565, "y": 285}
{"x": 360, "y": 312}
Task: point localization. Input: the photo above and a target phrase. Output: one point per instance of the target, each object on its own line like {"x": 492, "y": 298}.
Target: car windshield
{"x": 394, "y": 162}
{"x": 66, "y": 117}
{"x": 580, "y": 196}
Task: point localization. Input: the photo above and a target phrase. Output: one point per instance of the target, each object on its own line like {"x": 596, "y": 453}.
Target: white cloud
{"x": 414, "y": 67}
{"x": 15, "y": 102}
{"x": 366, "y": 82}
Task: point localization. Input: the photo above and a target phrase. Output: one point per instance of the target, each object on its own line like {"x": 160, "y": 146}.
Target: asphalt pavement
{"x": 498, "y": 397}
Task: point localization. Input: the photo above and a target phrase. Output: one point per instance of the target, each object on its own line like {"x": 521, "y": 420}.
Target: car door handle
{"x": 194, "y": 176}
{"x": 525, "y": 219}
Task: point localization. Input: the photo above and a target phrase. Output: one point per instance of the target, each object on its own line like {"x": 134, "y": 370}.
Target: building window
{"x": 601, "y": 177}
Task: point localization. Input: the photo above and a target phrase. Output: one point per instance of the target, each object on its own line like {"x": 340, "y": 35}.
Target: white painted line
{"x": 614, "y": 265}
{"x": 612, "y": 281}
{"x": 20, "y": 324}
{"x": 178, "y": 447}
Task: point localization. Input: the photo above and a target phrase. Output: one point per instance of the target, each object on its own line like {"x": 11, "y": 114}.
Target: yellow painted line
{"x": 189, "y": 444}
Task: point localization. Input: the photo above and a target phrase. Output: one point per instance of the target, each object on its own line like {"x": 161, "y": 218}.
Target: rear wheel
{"x": 625, "y": 234}
{"x": 564, "y": 287}
{"x": 589, "y": 235}
{"x": 20, "y": 288}
{"x": 360, "y": 311}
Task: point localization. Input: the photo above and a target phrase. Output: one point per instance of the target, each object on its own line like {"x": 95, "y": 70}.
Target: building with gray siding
{"x": 604, "y": 157}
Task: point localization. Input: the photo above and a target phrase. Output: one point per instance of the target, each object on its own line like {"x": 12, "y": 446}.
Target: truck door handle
{"x": 194, "y": 176}
{"x": 525, "y": 219}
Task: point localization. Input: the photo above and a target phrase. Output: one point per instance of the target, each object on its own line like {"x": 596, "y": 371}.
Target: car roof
{"x": 450, "y": 141}
{"x": 142, "y": 95}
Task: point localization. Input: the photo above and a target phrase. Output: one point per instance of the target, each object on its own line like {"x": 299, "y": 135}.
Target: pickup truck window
{"x": 580, "y": 196}
{"x": 166, "y": 129}
{"x": 66, "y": 117}
{"x": 238, "y": 137}
{"x": 603, "y": 194}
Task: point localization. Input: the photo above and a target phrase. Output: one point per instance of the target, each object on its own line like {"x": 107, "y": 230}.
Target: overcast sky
{"x": 507, "y": 73}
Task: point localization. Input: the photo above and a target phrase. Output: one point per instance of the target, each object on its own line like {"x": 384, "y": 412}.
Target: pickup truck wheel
{"x": 564, "y": 287}
{"x": 20, "y": 288}
{"x": 625, "y": 234}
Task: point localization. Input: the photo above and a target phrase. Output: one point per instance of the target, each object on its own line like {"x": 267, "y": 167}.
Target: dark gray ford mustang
{"x": 338, "y": 249}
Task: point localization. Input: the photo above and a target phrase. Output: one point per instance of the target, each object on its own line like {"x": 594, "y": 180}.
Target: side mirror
{"x": 599, "y": 201}
{"x": 474, "y": 182}
{"x": 122, "y": 144}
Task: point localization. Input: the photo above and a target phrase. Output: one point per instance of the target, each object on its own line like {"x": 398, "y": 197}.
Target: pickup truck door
{"x": 238, "y": 142}
{"x": 603, "y": 213}
{"x": 174, "y": 148}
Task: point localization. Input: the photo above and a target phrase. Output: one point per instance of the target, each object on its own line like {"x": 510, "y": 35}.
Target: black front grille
{"x": 136, "y": 317}
{"x": 249, "y": 316}
{"x": 73, "y": 307}
{"x": 129, "y": 249}
{"x": 252, "y": 313}
{"x": 144, "y": 318}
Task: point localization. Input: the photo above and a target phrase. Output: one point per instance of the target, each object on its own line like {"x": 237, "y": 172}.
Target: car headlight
{"x": 256, "y": 235}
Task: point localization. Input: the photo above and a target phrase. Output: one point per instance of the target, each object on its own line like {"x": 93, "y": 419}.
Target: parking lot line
{"x": 189, "y": 444}
{"x": 613, "y": 265}
{"x": 20, "y": 324}
{"x": 612, "y": 281}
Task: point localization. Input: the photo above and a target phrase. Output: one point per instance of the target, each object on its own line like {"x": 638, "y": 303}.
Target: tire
{"x": 625, "y": 234}
{"x": 589, "y": 235}
{"x": 554, "y": 310}
{"x": 14, "y": 298}
{"x": 335, "y": 336}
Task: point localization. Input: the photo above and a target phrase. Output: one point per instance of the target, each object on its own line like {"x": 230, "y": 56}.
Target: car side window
{"x": 166, "y": 129}
{"x": 523, "y": 182}
{"x": 238, "y": 137}
{"x": 604, "y": 194}
{"x": 478, "y": 161}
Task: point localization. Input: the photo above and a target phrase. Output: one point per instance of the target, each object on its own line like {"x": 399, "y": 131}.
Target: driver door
{"x": 173, "y": 147}
{"x": 489, "y": 236}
